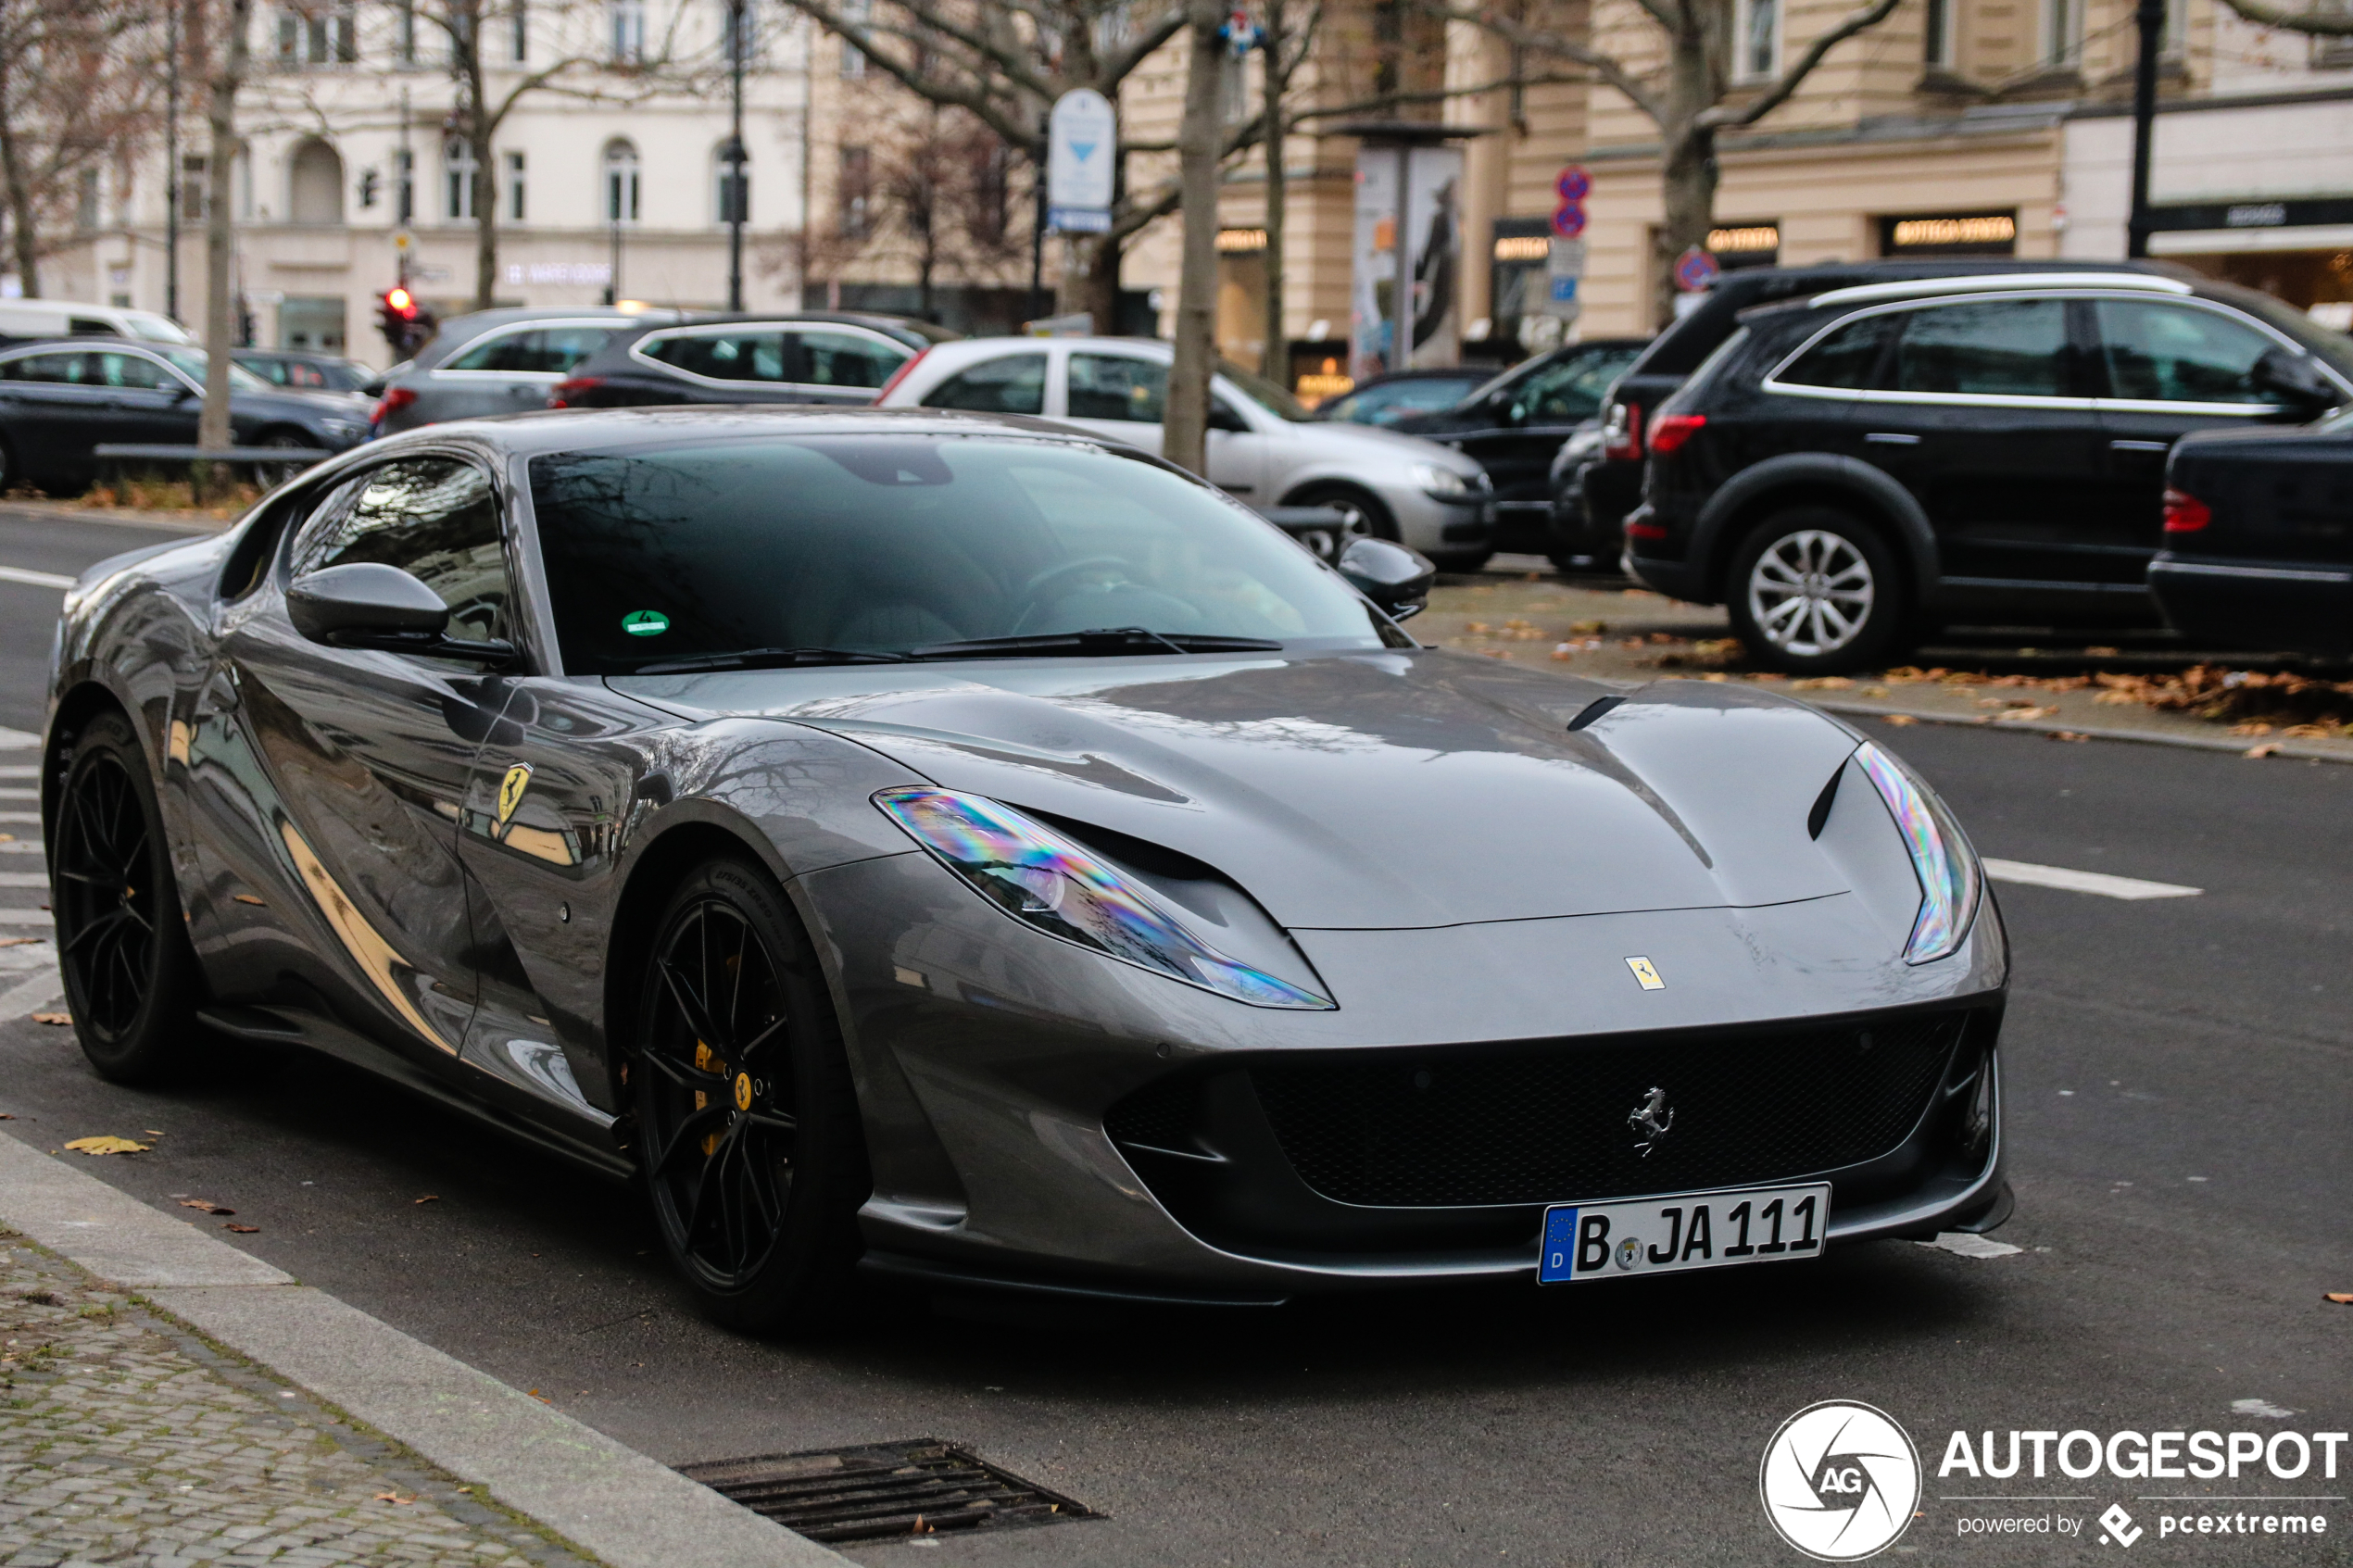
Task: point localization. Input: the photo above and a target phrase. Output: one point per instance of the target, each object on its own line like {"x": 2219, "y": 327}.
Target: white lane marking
{"x": 27, "y": 917}
{"x": 20, "y": 794}
{"x": 38, "y": 579}
{"x": 20, "y": 771}
{"x": 18, "y": 816}
{"x": 31, "y": 995}
{"x": 2085, "y": 882}
{"x": 24, "y": 879}
{"x": 19, "y": 740}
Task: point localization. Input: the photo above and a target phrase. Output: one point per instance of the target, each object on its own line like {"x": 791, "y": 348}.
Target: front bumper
{"x": 1018, "y": 1091}
{"x": 1439, "y": 528}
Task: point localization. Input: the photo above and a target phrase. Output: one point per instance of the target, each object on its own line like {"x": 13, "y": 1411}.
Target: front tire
{"x": 1814, "y": 592}
{"x": 131, "y": 976}
{"x": 752, "y": 1147}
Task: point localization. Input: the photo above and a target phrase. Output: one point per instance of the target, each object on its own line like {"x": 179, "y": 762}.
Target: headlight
{"x": 1942, "y": 858}
{"x": 1046, "y": 882}
{"x": 1443, "y": 481}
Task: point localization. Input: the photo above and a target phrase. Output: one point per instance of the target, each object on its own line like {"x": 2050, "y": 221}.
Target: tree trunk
{"x": 1273, "y": 359}
{"x": 1186, "y": 425}
{"x": 485, "y": 217}
{"x": 213, "y": 428}
{"x": 1687, "y": 159}
{"x": 1102, "y": 298}
{"x": 22, "y": 235}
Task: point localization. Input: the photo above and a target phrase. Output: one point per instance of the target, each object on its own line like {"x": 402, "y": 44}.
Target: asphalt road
{"x": 2179, "y": 1102}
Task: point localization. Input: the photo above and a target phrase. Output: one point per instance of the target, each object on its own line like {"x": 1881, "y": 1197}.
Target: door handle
{"x": 2140, "y": 446}
{"x": 1892, "y": 438}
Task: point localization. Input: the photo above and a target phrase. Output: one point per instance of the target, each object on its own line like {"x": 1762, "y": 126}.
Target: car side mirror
{"x": 1391, "y": 575}
{"x": 1221, "y": 416}
{"x": 2296, "y": 380}
{"x": 181, "y": 392}
{"x": 369, "y": 604}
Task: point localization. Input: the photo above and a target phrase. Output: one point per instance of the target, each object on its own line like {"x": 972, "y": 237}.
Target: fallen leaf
{"x": 53, "y": 1018}
{"x": 106, "y": 1144}
{"x": 153, "y": 1132}
{"x": 19, "y": 941}
{"x": 394, "y": 1497}
{"x": 2067, "y": 734}
{"x": 205, "y": 1204}
{"x": 2342, "y": 1298}
{"x": 541, "y": 1398}
{"x": 2103, "y": 652}
{"x": 7, "y": 1115}
{"x": 430, "y": 1198}
{"x": 1900, "y": 720}
{"x": 242, "y": 1230}
{"x": 2269, "y": 749}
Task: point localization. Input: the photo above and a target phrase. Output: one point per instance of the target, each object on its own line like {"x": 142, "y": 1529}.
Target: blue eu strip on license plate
{"x": 1694, "y": 1230}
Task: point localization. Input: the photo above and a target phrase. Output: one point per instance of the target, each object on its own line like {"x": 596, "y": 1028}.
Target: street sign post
{"x": 1082, "y": 153}
{"x": 1695, "y": 270}
{"x": 1565, "y": 258}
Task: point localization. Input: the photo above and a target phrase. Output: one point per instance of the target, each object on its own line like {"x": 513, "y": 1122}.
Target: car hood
{"x": 1378, "y": 790}
{"x": 1355, "y": 442}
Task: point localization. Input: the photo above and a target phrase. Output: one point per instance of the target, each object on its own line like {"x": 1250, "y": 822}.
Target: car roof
{"x": 455, "y": 332}
{"x": 895, "y": 327}
{"x": 545, "y": 430}
{"x": 2000, "y": 283}
{"x": 92, "y": 340}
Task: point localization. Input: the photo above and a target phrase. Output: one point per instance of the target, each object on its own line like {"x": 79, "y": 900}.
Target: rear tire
{"x": 132, "y": 978}
{"x": 751, "y": 1148}
{"x": 1813, "y": 591}
{"x": 270, "y": 476}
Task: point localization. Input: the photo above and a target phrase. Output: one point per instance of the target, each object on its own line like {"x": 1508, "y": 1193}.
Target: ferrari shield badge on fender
{"x": 510, "y": 790}
{"x": 1645, "y": 970}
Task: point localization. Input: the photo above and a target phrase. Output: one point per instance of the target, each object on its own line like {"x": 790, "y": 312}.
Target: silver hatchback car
{"x": 499, "y": 362}
{"x": 1263, "y": 447}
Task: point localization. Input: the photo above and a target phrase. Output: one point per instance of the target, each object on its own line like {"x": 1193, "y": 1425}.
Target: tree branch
{"x": 1607, "y": 68}
{"x": 1778, "y": 94}
{"x": 2318, "y": 22}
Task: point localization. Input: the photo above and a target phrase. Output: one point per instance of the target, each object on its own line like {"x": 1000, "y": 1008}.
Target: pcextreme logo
{"x": 1840, "y": 1481}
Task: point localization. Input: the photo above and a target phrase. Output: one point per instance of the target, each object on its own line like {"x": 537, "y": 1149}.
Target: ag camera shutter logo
{"x": 1840, "y": 1481}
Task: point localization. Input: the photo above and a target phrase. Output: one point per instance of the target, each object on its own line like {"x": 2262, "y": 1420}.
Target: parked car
{"x": 1569, "y": 540}
{"x": 306, "y": 371}
{"x": 1516, "y": 423}
{"x": 789, "y": 356}
{"x": 58, "y": 400}
{"x": 966, "y": 850}
{"x": 1263, "y": 447}
{"x": 38, "y": 321}
{"x": 1991, "y": 448}
{"x": 1393, "y": 394}
{"x": 499, "y": 362}
{"x": 2258, "y": 539}
{"x": 1611, "y": 484}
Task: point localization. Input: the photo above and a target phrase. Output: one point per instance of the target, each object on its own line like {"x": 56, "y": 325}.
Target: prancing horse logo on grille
{"x": 1652, "y": 1118}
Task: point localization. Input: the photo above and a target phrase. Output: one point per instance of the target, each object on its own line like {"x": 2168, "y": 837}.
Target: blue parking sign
{"x": 1564, "y": 290}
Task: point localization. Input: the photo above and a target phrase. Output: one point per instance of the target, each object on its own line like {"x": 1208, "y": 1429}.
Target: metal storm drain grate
{"x": 917, "y": 1487}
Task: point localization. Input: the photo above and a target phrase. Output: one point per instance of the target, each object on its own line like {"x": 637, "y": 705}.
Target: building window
{"x": 855, "y": 195}
{"x": 1757, "y": 38}
{"x": 2176, "y": 36}
{"x": 519, "y": 32}
{"x": 1936, "y": 40}
{"x": 318, "y": 38}
{"x": 2062, "y": 33}
{"x": 621, "y": 182}
{"x": 854, "y": 58}
{"x": 314, "y": 185}
{"x": 457, "y": 170}
{"x": 86, "y": 201}
{"x": 627, "y": 20}
{"x": 731, "y": 198}
{"x": 195, "y": 189}
{"x": 515, "y": 207}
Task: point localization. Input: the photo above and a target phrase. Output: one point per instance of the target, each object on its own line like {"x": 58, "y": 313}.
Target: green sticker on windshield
{"x": 645, "y": 623}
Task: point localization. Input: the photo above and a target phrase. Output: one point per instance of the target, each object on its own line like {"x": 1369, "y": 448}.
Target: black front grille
{"x": 1415, "y": 1129}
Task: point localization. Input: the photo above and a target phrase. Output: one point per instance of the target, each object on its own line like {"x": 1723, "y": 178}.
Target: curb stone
{"x": 610, "y": 1501}
{"x": 2237, "y": 746}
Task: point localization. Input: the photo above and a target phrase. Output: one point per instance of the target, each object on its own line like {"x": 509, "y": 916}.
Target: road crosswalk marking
{"x": 2099, "y": 882}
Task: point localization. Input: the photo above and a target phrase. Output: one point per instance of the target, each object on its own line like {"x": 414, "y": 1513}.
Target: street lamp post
{"x": 2150, "y": 16}
{"x": 171, "y": 160}
{"x": 736, "y": 203}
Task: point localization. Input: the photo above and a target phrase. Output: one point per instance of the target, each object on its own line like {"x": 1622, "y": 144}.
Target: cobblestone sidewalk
{"x": 125, "y": 1440}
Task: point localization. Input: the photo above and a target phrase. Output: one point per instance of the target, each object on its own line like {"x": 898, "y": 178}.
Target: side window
{"x": 847, "y": 359}
{"x": 2174, "y": 354}
{"x": 134, "y": 370}
{"x": 541, "y": 350}
{"x": 47, "y": 367}
{"x": 1571, "y": 390}
{"x": 1113, "y": 386}
{"x": 1013, "y": 384}
{"x": 433, "y": 518}
{"x": 723, "y": 355}
{"x": 1847, "y": 360}
{"x": 295, "y": 374}
{"x": 1992, "y": 347}
{"x": 499, "y": 351}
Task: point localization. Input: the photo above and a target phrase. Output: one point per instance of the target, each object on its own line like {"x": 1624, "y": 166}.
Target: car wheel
{"x": 131, "y": 976}
{"x": 752, "y": 1147}
{"x": 7, "y": 469}
{"x": 272, "y": 475}
{"x": 1815, "y": 591}
{"x": 1361, "y": 507}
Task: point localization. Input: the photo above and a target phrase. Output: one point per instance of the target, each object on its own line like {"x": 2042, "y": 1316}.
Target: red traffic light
{"x": 402, "y": 301}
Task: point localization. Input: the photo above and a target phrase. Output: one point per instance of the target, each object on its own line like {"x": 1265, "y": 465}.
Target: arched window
{"x": 314, "y": 192}
{"x": 458, "y": 167}
{"x": 729, "y": 201}
{"x": 621, "y": 182}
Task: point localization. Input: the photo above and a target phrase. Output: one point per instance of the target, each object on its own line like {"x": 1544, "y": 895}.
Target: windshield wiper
{"x": 1102, "y": 641}
{"x": 768, "y": 659}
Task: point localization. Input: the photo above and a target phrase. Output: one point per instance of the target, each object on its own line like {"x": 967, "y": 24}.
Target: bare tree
{"x": 1199, "y": 150}
{"x": 1282, "y": 51}
{"x": 229, "y": 60}
{"x": 78, "y": 89}
{"x": 1692, "y": 93}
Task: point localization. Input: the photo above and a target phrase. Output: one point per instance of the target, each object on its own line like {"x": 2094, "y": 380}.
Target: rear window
{"x": 1847, "y": 360}
{"x": 1012, "y": 384}
{"x": 541, "y": 350}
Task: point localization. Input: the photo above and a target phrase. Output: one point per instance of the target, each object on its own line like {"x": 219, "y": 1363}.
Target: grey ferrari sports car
{"x": 966, "y": 848}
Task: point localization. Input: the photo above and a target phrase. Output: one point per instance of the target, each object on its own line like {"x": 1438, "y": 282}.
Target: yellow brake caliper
{"x": 707, "y": 1063}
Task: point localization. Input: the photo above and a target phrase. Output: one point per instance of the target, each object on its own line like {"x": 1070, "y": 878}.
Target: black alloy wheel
{"x": 130, "y": 973}
{"x": 270, "y": 476}
{"x": 750, "y": 1140}
{"x": 1813, "y": 591}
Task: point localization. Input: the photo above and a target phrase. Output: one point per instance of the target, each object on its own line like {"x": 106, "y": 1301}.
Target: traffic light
{"x": 368, "y": 183}
{"x": 405, "y": 323}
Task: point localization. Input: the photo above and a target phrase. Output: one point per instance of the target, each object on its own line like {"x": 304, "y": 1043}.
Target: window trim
{"x": 1772, "y": 381}
{"x": 496, "y": 334}
{"x": 638, "y": 349}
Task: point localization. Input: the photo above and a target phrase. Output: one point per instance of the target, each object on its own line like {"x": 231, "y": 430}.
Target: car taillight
{"x": 394, "y": 399}
{"x": 899, "y": 375}
{"x": 1670, "y": 431}
{"x": 2184, "y": 513}
{"x": 1622, "y": 433}
{"x": 567, "y": 390}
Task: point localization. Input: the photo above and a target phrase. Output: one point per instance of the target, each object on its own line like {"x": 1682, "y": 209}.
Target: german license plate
{"x": 1693, "y": 1230}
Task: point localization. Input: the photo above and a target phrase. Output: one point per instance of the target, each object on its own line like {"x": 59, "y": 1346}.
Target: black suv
{"x": 1989, "y": 449}
{"x": 1595, "y": 486}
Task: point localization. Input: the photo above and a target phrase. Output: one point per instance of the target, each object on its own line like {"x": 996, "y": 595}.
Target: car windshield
{"x": 1392, "y": 401}
{"x": 156, "y": 329}
{"x": 191, "y": 363}
{"x": 2334, "y": 349}
{"x": 1264, "y": 393}
{"x": 884, "y": 544}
